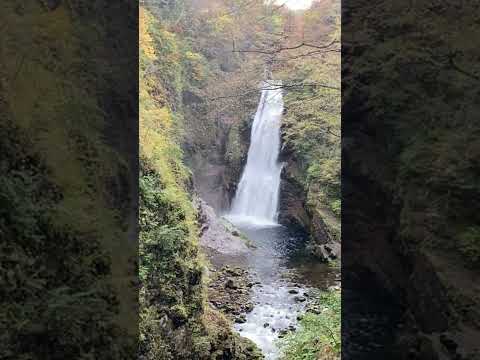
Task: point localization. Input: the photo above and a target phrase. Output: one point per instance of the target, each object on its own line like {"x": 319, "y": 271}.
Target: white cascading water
{"x": 256, "y": 199}
{"x": 254, "y": 212}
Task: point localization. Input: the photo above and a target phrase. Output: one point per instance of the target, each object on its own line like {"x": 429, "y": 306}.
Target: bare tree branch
{"x": 276, "y": 51}
{"x": 272, "y": 87}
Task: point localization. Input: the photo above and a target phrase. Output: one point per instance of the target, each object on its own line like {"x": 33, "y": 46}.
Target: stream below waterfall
{"x": 285, "y": 276}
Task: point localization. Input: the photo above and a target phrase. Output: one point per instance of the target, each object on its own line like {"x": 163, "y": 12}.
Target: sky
{"x": 295, "y": 4}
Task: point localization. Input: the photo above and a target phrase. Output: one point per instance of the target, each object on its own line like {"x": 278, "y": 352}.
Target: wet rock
{"x": 241, "y": 319}
{"x": 231, "y": 284}
{"x": 292, "y": 328}
{"x": 293, "y": 291}
{"x": 216, "y": 235}
{"x": 314, "y": 310}
{"x": 300, "y": 298}
{"x": 266, "y": 325}
{"x": 230, "y": 294}
{"x": 325, "y": 252}
{"x": 235, "y": 271}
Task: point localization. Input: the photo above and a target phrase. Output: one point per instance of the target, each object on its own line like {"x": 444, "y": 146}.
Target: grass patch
{"x": 319, "y": 335}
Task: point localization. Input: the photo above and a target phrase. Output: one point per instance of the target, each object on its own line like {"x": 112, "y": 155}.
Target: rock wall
{"x": 217, "y": 168}
{"x": 295, "y": 211}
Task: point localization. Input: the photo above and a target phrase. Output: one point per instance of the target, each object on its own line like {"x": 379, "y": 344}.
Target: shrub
{"x": 319, "y": 334}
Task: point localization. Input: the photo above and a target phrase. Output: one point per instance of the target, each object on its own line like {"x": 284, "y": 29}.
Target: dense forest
{"x": 201, "y": 64}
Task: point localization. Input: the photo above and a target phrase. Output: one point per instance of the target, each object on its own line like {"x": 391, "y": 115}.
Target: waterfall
{"x": 256, "y": 198}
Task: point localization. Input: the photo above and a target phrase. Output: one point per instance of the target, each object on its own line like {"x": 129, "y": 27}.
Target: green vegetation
{"x": 62, "y": 296}
{"x": 318, "y": 337}
{"x": 196, "y": 97}
{"x": 175, "y": 320}
{"x": 469, "y": 245}
{"x": 312, "y": 125}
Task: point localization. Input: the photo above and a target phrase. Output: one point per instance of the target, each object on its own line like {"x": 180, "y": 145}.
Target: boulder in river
{"x": 293, "y": 291}
{"x": 240, "y": 319}
{"x": 300, "y": 298}
{"x": 231, "y": 284}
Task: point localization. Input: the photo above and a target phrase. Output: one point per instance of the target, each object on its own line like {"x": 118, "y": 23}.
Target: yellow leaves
{"x": 224, "y": 23}
{"x": 158, "y": 134}
{"x": 189, "y": 55}
{"x": 145, "y": 40}
{"x": 196, "y": 63}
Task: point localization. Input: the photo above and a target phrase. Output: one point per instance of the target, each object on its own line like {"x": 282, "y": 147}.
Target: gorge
{"x": 222, "y": 278}
{"x": 280, "y": 289}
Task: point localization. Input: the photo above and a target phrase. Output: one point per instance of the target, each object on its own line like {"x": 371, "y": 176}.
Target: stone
{"x": 231, "y": 284}
{"x": 266, "y": 325}
{"x": 241, "y": 319}
{"x": 315, "y": 311}
{"x": 300, "y": 298}
{"x": 293, "y": 291}
{"x": 234, "y": 272}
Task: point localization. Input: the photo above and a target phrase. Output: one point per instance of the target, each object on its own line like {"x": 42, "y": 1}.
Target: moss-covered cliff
{"x": 310, "y": 195}
{"x": 68, "y": 194}
{"x": 411, "y": 139}
{"x": 176, "y": 321}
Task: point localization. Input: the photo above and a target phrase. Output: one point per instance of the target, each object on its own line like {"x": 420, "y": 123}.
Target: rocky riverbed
{"x": 260, "y": 278}
{"x": 230, "y": 291}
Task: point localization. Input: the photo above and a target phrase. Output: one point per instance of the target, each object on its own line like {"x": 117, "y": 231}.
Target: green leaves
{"x": 469, "y": 241}
{"x": 319, "y": 335}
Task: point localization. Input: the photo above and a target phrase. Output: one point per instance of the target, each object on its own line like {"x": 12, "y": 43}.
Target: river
{"x": 286, "y": 276}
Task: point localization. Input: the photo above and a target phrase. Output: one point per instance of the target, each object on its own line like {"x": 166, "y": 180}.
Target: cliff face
{"x": 176, "y": 320}
{"x": 310, "y": 194}
{"x": 217, "y": 169}
{"x": 313, "y": 219}
{"x": 408, "y": 174}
